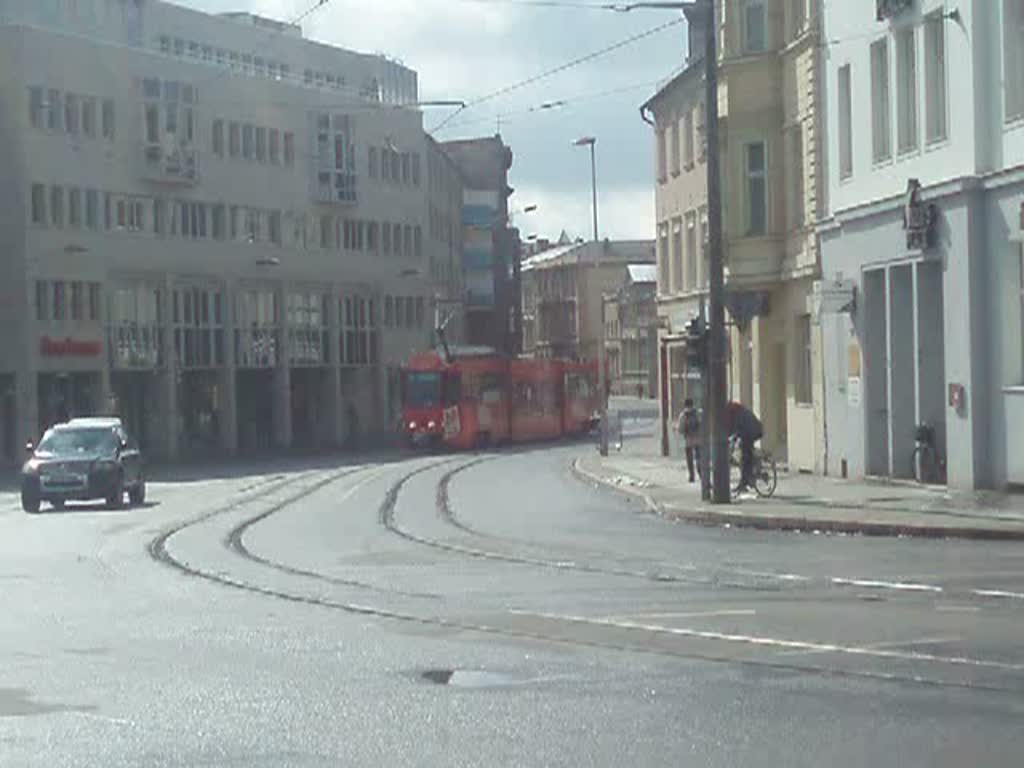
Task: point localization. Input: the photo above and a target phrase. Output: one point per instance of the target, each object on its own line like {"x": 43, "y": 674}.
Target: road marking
{"x": 998, "y": 593}
{"x": 897, "y": 585}
{"x": 781, "y": 643}
{"x": 884, "y": 645}
{"x": 958, "y": 608}
{"x": 686, "y": 614}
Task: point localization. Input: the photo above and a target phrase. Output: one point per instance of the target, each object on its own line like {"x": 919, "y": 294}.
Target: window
{"x": 234, "y": 139}
{"x": 75, "y": 208}
{"x": 802, "y": 389}
{"x": 704, "y": 271}
{"x": 53, "y": 111}
{"x": 372, "y": 236}
{"x": 407, "y": 241}
{"x": 71, "y": 114}
{"x": 417, "y": 240}
{"x": 389, "y": 311}
{"x": 94, "y": 302}
{"x": 372, "y": 162}
{"x": 662, "y": 159}
{"x": 274, "y": 226}
{"x": 77, "y": 289}
{"x": 420, "y": 312}
{"x": 179, "y": 47}
{"x": 193, "y": 49}
{"x": 797, "y": 17}
{"x": 57, "y": 206}
{"x": 220, "y": 221}
{"x": 159, "y": 217}
{"x": 396, "y": 240}
{"x": 881, "y": 100}
{"x": 35, "y": 107}
{"x": 935, "y": 78}
{"x": 406, "y": 168}
{"x": 701, "y": 130}
{"x": 1013, "y": 53}
{"x": 92, "y": 209}
{"x": 757, "y": 189}
{"x": 845, "y": 123}
{"x": 906, "y": 90}
{"x": 261, "y": 145}
{"x": 674, "y": 147}
{"x": 58, "y": 304}
{"x": 89, "y": 117}
{"x": 42, "y": 299}
{"x": 218, "y": 138}
{"x": 248, "y": 140}
{"x": 416, "y": 169}
{"x": 165, "y": 44}
{"x": 385, "y": 237}
{"x": 39, "y": 204}
{"x": 207, "y": 53}
{"x": 108, "y": 119}
{"x": 289, "y": 149}
{"x": 795, "y": 168}
{"x": 754, "y": 26}
{"x": 688, "y": 139}
{"x": 691, "y": 251}
{"x": 677, "y": 255}
{"x": 275, "y": 146}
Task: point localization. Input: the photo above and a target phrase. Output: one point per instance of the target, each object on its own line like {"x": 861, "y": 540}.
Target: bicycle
{"x": 926, "y": 466}
{"x": 766, "y": 473}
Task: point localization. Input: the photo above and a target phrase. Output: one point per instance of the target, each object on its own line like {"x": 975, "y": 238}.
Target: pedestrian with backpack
{"x": 689, "y": 428}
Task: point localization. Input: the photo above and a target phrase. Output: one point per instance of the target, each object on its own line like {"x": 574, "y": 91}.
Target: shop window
{"x": 803, "y": 389}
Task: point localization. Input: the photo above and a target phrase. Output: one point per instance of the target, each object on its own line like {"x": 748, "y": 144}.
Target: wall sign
{"x": 69, "y": 347}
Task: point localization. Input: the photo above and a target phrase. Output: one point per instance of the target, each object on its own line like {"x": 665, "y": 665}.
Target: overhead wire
{"x": 557, "y": 70}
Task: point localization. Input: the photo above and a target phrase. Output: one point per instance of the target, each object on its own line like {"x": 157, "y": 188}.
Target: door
{"x": 875, "y": 367}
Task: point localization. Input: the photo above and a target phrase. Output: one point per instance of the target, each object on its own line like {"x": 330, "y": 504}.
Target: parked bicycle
{"x": 766, "y": 473}
{"x": 927, "y": 466}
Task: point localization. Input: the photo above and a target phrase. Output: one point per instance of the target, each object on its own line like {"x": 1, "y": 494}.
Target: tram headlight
{"x": 412, "y": 426}
{"x": 432, "y": 425}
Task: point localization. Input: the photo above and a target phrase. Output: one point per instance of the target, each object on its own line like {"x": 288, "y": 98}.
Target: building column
{"x": 228, "y": 384}
{"x": 334, "y": 429}
{"x": 26, "y": 394}
{"x": 167, "y": 383}
{"x": 283, "y": 378}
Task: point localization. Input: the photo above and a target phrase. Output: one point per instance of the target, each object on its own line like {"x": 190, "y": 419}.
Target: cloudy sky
{"x": 466, "y": 49}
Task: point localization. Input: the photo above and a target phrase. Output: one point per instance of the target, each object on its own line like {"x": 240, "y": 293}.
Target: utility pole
{"x": 703, "y": 12}
{"x": 720, "y": 493}
{"x": 602, "y": 374}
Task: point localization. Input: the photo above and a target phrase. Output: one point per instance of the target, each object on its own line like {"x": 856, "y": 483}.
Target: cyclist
{"x": 741, "y": 422}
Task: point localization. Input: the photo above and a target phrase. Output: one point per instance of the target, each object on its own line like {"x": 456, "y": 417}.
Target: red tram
{"x": 472, "y": 397}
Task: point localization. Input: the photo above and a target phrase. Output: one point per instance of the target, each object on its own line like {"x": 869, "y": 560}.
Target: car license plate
{"x": 64, "y": 481}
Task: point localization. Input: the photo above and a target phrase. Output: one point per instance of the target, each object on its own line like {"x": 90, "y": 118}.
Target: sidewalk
{"x": 808, "y": 502}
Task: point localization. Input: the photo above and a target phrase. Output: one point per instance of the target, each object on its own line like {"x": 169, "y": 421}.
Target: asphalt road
{"x": 490, "y": 610}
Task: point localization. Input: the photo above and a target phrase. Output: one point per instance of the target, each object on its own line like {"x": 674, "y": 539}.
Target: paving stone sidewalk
{"x": 808, "y": 502}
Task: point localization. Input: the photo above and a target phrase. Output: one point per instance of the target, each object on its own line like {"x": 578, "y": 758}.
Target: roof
{"x": 606, "y": 252}
{"x": 642, "y": 273}
{"x": 685, "y": 74}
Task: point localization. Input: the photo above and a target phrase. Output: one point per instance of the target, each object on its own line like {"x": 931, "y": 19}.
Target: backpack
{"x": 690, "y": 422}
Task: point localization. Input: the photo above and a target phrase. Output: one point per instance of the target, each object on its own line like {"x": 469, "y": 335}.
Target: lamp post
{"x": 702, "y": 13}
{"x": 590, "y": 141}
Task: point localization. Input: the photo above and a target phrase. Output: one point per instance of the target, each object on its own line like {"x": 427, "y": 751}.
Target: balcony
{"x": 170, "y": 165}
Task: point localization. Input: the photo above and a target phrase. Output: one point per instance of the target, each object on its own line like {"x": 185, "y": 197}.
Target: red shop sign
{"x": 69, "y": 348}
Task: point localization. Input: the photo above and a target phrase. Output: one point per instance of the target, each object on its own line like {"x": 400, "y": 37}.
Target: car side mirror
{"x": 30, "y": 447}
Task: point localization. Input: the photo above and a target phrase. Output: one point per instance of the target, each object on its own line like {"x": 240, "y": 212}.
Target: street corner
{"x": 593, "y": 471}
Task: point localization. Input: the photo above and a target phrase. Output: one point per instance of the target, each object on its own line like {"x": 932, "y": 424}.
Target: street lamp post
{"x": 590, "y": 141}
{"x": 703, "y": 12}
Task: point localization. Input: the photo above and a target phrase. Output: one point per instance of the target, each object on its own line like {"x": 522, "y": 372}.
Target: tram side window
{"x": 491, "y": 388}
{"x": 525, "y": 398}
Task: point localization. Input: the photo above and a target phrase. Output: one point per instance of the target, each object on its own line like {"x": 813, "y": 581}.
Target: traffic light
{"x": 696, "y": 344}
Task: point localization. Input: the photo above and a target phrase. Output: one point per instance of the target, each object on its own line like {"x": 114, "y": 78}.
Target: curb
{"x": 713, "y": 518}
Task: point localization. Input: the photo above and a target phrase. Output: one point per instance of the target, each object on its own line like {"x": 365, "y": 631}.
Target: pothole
{"x": 469, "y": 678}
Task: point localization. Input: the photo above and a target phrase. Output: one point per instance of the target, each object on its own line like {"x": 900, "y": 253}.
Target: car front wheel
{"x": 30, "y": 502}
{"x": 137, "y": 494}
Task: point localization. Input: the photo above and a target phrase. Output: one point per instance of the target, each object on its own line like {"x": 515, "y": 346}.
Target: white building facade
{"x": 921, "y": 246}
{"x": 225, "y": 233}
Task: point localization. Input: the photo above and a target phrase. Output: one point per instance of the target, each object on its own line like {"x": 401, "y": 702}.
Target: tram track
{"x": 564, "y": 633}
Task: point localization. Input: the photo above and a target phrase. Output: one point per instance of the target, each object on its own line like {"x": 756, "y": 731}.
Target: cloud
{"x": 466, "y": 49}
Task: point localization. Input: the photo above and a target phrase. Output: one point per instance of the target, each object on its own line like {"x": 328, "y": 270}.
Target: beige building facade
{"x": 563, "y": 291}
{"x": 771, "y": 180}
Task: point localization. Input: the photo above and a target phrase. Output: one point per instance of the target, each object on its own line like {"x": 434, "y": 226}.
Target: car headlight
{"x": 31, "y": 467}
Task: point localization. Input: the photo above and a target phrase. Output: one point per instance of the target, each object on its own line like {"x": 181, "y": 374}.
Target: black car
{"x": 83, "y": 460}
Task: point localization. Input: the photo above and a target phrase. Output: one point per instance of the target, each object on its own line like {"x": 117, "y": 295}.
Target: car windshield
{"x": 422, "y": 389}
{"x": 85, "y": 441}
